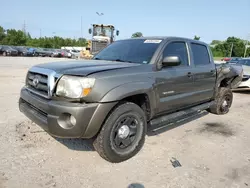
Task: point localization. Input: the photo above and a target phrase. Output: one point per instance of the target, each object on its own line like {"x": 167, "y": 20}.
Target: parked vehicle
{"x": 56, "y": 53}
{"x": 234, "y": 60}
{"x": 8, "y": 51}
{"x": 226, "y": 59}
{"x": 31, "y": 51}
{"x": 245, "y": 63}
{"x": 42, "y": 52}
{"x": 130, "y": 86}
{"x": 22, "y": 51}
{"x": 48, "y": 52}
{"x": 74, "y": 53}
{"x": 65, "y": 53}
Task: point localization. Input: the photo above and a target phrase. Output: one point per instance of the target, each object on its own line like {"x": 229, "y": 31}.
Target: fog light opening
{"x": 72, "y": 120}
{"x": 66, "y": 121}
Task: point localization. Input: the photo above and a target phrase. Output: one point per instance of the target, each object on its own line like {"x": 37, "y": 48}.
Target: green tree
{"x": 196, "y": 37}
{"x": 2, "y": 34}
{"x": 136, "y": 34}
{"x": 15, "y": 37}
{"x": 215, "y": 42}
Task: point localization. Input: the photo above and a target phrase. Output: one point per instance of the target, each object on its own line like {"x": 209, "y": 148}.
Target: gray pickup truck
{"x": 126, "y": 88}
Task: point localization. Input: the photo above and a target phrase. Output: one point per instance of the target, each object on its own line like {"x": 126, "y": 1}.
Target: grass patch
{"x": 217, "y": 58}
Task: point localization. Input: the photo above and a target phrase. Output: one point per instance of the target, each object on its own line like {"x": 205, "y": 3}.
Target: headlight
{"x": 74, "y": 87}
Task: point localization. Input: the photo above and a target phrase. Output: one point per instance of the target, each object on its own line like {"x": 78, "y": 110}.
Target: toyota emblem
{"x": 35, "y": 81}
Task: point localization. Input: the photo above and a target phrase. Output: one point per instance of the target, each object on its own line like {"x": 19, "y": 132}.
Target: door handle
{"x": 212, "y": 71}
{"x": 189, "y": 74}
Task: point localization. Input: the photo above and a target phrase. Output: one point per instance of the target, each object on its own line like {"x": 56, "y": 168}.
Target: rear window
{"x": 200, "y": 54}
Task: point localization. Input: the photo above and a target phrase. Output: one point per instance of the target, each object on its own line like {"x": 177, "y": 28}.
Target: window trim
{"x": 160, "y": 56}
{"x": 208, "y": 52}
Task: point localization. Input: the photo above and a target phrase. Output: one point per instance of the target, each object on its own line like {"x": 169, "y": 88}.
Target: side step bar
{"x": 163, "y": 120}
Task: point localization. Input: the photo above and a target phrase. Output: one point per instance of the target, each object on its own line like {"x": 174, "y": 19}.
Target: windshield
{"x": 102, "y": 31}
{"x": 244, "y": 62}
{"x": 134, "y": 51}
{"x": 8, "y": 48}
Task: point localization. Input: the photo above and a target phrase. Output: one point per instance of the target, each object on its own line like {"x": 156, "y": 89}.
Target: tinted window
{"x": 244, "y": 62}
{"x": 200, "y": 54}
{"x": 132, "y": 50}
{"x": 177, "y": 49}
{"x": 248, "y": 63}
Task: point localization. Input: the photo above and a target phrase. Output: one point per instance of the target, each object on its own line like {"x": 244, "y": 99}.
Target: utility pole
{"x": 246, "y": 45}
{"x": 24, "y": 27}
{"x": 81, "y": 28}
{"x": 231, "y": 49}
{"x": 40, "y": 33}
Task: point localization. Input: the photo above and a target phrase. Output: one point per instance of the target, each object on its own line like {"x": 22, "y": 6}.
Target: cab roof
{"x": 104, "y": 25}
{"x": 166, "y": 38}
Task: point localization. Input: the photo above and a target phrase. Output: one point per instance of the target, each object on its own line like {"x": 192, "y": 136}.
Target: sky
{"x": 209, "y": 19}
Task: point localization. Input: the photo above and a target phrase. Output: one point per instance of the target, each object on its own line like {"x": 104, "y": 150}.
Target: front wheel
{"x": 223, "y": 101}
{"x": 123, "y": 133}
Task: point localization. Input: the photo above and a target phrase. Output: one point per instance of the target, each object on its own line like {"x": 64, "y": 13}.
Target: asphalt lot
{"x": 213, "y": 150}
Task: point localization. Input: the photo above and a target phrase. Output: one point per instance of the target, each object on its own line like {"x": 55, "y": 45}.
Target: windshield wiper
{"x": 120, "y": 60}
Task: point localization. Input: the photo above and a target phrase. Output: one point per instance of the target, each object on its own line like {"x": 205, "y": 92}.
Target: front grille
{"x": 98, "y": 46}
{"x": 41, "y": 81}
{"x": 40, "y": 85}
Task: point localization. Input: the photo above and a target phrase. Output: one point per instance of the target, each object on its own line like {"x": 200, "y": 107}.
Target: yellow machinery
{"x": 102, "y": 36}
{"x": 86, "y": 53}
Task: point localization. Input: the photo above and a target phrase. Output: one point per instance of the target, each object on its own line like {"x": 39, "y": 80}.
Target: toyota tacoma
{"x": 129, "y": 86}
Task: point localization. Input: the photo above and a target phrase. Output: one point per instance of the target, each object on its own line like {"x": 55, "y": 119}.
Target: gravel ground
{"x": 213, "y": 150}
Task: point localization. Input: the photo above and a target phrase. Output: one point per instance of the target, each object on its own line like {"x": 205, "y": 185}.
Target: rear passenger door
{"x": 204, "y": 72}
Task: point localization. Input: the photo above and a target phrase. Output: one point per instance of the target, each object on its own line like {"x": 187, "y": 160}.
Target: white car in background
{"x": 74, "y": 53}
{"x": 245, "y": 63}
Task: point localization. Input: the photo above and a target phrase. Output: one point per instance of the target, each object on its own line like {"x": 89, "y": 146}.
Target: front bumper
{"x": 53, "y": 116}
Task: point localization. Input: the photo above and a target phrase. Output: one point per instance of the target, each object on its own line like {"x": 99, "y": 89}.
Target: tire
{"x": 109, "y": 145}
{"x": 223, "y": 101}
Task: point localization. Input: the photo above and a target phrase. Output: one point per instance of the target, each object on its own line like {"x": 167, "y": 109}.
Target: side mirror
{"x": 90, "y": 30}
{"x": 170, "y": 61}
{"x": 117, "y": 32}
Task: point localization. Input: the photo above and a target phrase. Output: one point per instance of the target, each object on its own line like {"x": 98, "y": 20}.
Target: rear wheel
{"x": 223, "y": 101}
{"x": 123, "y": 133}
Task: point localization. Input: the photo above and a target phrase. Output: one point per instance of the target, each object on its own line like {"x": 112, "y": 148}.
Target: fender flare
{"x": 130, "y": 89}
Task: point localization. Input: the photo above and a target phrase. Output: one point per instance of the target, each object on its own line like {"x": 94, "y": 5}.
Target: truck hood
{"x": 85, "y": 67}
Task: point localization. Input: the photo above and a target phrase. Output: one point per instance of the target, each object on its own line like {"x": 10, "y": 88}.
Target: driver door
{"x": 175, "y": 85}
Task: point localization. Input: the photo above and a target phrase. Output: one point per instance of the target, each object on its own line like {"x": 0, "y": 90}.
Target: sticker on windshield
{"x": 152, "y": 41}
